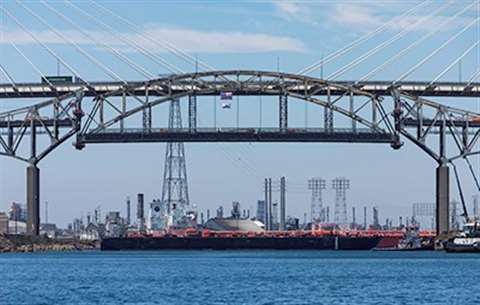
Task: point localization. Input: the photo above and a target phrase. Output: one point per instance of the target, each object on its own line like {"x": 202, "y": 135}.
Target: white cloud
{"x": 294, "y": 11}
{"x": 188, "y": 40}
{"x": 354, "y": 16}
{"x": 287, "y": 7}
{"x": 368, "y": 16}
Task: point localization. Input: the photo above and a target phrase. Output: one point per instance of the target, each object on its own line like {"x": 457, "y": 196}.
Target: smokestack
{"x": 128, "y": 211}
{"x": 364, "y": 218}
{"x": 140, "y": 215}
{"x": 270, "y": 219}
{"x": 266, "y": 205}
{"x": 282, "y": 203}
{"x": 354, "y": 221}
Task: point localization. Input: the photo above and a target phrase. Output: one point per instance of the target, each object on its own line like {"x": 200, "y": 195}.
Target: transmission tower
{"x": 316, "y": 185}
{"x": 340, "y": 185}
{"x": 175, "y": 187}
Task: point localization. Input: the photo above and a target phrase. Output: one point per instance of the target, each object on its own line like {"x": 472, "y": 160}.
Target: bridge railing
{"x": 256, "y": 130}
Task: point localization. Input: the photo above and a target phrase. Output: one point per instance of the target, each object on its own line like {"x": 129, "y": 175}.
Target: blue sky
{"x": 230, "y": 35}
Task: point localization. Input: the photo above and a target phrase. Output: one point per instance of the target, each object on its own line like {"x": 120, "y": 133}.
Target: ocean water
{"x": 239, "y": 277}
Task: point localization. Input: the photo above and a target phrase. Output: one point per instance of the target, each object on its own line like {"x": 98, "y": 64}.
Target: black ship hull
{"x": 455, "y": 248}
{"x": 239, "y": 243}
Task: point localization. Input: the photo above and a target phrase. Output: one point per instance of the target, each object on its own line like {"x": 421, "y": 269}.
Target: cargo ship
{"x": 192, "y": 239}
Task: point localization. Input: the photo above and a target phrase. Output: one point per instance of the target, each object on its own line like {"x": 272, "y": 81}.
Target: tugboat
{"x": 466, "y": 241}
{"x": 412, "y": 241}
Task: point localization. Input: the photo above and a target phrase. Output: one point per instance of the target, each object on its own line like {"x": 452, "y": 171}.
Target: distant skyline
{"x": 263, "y": 35}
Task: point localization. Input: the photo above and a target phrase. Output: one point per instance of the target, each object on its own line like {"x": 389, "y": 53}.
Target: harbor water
{"x": 239, "y": 277}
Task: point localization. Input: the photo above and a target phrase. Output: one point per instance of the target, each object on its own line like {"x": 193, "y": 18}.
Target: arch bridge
{"x": 353, "y": 112}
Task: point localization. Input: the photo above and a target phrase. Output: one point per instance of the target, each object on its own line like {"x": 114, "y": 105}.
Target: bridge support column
{"x": 33, "y": 200}
{"x": 443, "y": 199}
{"x": 283, "y": 112}
{"x": 192, "y": 113}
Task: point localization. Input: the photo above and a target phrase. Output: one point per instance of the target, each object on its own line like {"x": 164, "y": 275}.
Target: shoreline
{"x": 31, "y": 244}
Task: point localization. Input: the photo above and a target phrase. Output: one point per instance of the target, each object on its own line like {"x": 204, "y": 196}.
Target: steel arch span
{"x": 350, "y": 114}
{"x": 368, "y": 120}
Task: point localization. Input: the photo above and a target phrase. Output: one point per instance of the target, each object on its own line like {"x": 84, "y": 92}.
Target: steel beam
{"x": 33, "y": 200}
{"x": 247, "y": 135}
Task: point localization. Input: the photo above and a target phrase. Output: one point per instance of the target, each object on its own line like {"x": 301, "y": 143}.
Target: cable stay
{"x": 8, "y": 76}
{"x": 434, "y": 52}
{"x": 155, "y": 58}
{"x": 474, "y": 77}
{"x": 92, "y": 59}
{"x": 165, "y": 45}
{"x": 33, "y": 66}
{"x": 385, "y": 44}
{"x": 147, "y": 74}
{"x": 49, "y": 50}
{"x": 455, "y": 62}
{"x": 435, "y": 30}
{"x": 315, "y": 66}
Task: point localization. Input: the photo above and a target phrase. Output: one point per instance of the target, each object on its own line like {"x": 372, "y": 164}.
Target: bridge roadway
{"x": 133, "y": 135}
{"x": 379, "y": 88}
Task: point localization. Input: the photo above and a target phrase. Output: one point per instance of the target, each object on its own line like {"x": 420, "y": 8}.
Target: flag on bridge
{"x": 226, "y": 98}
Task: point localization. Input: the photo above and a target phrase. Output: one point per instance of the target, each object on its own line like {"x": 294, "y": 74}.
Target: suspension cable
{"x": 315, "y": 66}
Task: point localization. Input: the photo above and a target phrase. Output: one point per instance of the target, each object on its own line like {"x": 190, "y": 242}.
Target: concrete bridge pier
{"x": 33, "y": 200}
{"x": 443, "y": 199}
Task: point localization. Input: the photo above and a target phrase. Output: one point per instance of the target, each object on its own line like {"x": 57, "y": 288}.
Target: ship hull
{"x": 456, "y": 248}
{"x": 240, "y": 243}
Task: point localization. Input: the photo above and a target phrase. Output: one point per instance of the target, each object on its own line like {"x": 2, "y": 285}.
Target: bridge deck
{"x": 381, "y": 88}
{"x": 237, "y": 135}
